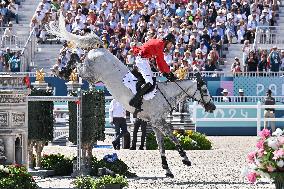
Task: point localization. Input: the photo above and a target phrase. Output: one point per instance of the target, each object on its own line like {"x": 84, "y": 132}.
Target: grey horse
{"x": 101, "y": 65}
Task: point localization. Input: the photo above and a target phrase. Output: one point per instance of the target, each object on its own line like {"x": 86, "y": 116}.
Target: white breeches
{"x": 145, "y": 69}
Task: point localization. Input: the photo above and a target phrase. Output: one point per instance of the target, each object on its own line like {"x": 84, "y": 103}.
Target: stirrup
{"x": 137, "y": 110}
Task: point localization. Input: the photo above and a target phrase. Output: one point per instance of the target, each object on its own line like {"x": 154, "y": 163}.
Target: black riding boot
{"x": 136, "y": 101}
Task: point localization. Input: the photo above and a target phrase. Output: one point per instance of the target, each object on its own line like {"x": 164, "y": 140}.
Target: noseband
{"x": 200, "y": 83}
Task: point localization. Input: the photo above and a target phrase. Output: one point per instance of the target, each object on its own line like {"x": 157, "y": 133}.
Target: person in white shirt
{"x": 13, "y": 9}
{"x": 9, "y": 35}
{"x": 221, "y": 18}
{"x": 225, "y": 97}
{"x": 39, "y": 16}
{"x": 246, "y": 49}
{"x": 266, "y": 15}
{"x": 160, "y": 4}
{"x": 77, "y": 25}
{"x": 81, "y": 16}
{"x": 46, "y": 5}
{"x": 117, "y": 117}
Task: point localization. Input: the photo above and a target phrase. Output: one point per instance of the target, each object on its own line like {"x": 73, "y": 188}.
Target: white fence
{"x": 258, "y": 119}
{"x": 60, "y": 132}
{"x": 248, "y": 98}
{"x": 27, "y": 47}
{"x": 14, "y": 42}
{"x": 268, "y": 36}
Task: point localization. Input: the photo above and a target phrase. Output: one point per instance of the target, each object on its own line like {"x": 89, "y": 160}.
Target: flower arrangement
{"x": 16, "y": 177}
{"x": 268, "y": 160}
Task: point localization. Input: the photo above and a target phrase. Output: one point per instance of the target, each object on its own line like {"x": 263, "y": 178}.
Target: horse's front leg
{"x": 167, "y": 131}
{"x": 160, "y": 142}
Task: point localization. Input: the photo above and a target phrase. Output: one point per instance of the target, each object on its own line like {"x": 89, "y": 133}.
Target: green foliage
{"x": 93, "y": 117}
{"x": 61, "y": 165}
{"x": 118, "y": 167}
{"x": 40, "y": 117}
{"x": 16, "y": 177}
{"x": 99, "y": 183}
{"x": 189, "y": 141}
{"x": 202, "y": 142}
{"x": 105, "y": 180}
{"x": 277, "y": 176}
{"x": 151, "y": 143}
{"x": 84, "y": 182}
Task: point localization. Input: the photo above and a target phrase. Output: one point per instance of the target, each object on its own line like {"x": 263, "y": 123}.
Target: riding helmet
{"x": 170, "y": 37}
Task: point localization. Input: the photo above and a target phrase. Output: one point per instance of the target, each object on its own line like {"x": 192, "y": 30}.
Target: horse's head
{"x": 205, "y": 98}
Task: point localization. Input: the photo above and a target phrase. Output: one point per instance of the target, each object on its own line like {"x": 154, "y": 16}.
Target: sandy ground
{"x": 219, "y": 168}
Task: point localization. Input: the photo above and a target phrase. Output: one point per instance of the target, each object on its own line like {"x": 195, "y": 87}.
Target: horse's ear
{"x": 199, "y": 79}
{"x": 198, "y": 76}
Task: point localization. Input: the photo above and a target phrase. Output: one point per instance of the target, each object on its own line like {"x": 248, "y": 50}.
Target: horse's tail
{"x": 59, "y": 29}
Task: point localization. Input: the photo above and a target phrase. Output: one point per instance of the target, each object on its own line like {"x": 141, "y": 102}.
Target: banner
{"x": 257, "y": 86}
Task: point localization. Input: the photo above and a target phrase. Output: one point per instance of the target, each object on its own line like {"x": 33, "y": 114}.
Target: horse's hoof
{"x": 186, "y": 162}
{"x": 169, "y": 175}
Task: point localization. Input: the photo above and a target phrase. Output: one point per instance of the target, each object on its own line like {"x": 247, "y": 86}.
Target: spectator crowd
{"x": 202, "y": 28}
{"x": 259, "y": 60}
{"x": 9, "y": 58}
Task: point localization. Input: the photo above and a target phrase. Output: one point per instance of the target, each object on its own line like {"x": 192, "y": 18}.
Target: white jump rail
{"x": 258, "y": 119}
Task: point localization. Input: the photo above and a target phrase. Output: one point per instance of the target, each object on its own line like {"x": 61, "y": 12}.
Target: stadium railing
{"x": 28, "y": 52}
{"x": 268, "y": 36}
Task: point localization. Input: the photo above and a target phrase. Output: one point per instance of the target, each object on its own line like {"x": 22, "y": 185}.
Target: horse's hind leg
{"x": 167, "y": 131}
{"x": 160, "y": 142}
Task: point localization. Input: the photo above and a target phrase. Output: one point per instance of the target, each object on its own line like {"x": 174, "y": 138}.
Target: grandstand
{"x": 197, "y": 31}
{"x": 214, "y": 37}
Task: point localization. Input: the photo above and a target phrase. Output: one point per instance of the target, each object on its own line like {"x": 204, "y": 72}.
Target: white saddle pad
{"x": 130, "y": 81}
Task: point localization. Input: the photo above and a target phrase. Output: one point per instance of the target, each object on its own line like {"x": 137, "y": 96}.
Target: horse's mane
{"x": 59, "y": 29}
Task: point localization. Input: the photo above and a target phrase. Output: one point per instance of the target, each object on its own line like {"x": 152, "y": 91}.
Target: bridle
{"x": 200, "y": 83}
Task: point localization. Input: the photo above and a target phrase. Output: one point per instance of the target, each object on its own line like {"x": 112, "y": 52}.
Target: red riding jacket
{"x": 153, "y": 48}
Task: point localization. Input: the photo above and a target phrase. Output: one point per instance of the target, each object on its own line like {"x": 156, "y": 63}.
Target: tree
{"x": 40, "y": 123}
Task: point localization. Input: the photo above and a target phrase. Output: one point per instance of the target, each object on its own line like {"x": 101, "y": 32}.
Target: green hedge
{"x": 16, "y": 177}
{"x": 40, "y": 117}
{"x": 61, "y": 165}
{"x": 118, "y": 167}
{"x": 189, "y": 141}
{"x": 93, "y": 117}
{"x": 99, "y": 183}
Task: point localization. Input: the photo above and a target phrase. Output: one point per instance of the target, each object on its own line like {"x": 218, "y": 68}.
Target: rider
{"x": 154, "y": 48}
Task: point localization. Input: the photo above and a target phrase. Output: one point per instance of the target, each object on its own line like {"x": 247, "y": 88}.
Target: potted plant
{"x": 268, "y": 160}
{"x": 110, "y": 182}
